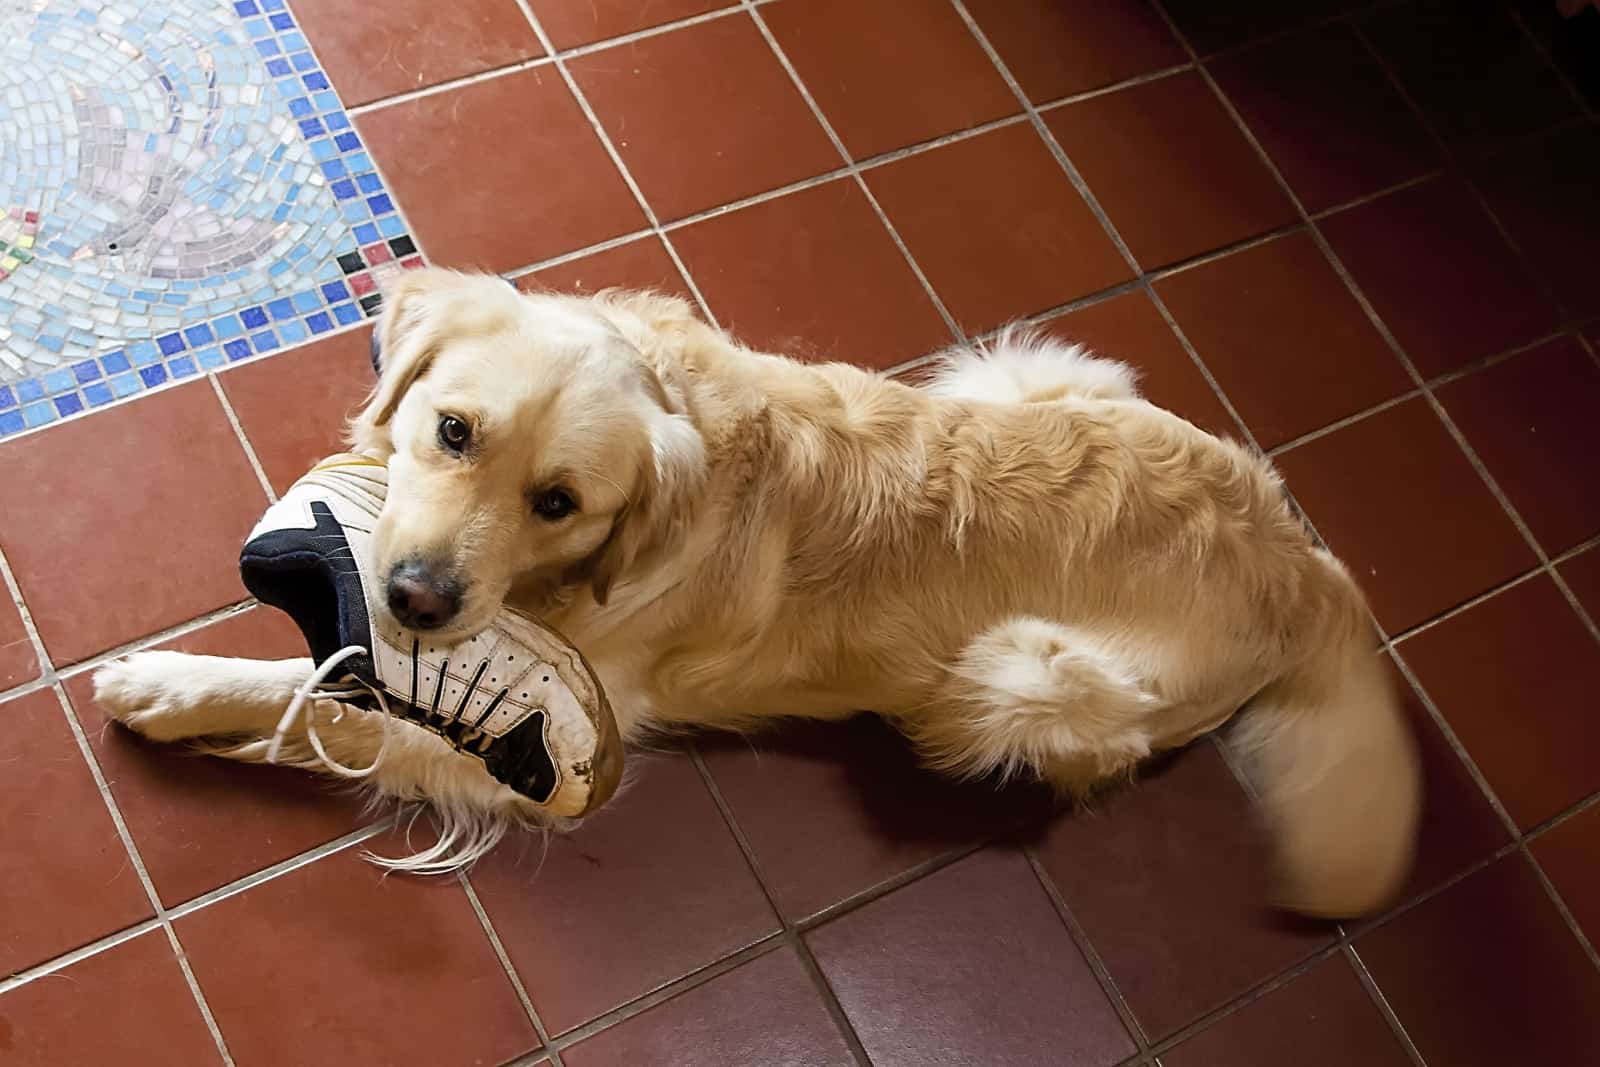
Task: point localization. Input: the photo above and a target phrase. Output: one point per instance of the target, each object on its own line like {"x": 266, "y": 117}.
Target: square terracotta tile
{"x": 1397, "y": 501}
{"x": 1439, "y": 274}
{"x": 414, "y": 44}
{"x": 336, "y": 963}
{"x": 649, "y": 889}
{"x": 1458, "y": 827}
{"x": 127, "y": 1005}
{"x": 146, "y": 532}
{"x": 1327, "y": 114}
{"x": 1129, "y": 328}
{"x": 1170, "y": 168}
{"x": 1056, "y": 50}
{"x": 1022, "y": 986}
{"x": 200, "y": 822}
{"x": 1486, "y": 974}
{"x": 1210, "y": 26}
{"x": 871, "y": 810}
{"x": 1582, "y": 575}
{"x": 68, "y": 880}
{"x": 1322, "y": 1019}
{"x": 815, "y": 275}
{"x": 482, "y": 190}
{"x": 997, "y": 227}
{"x": 1162, "y": 876}
{"x": 641, "y": 264}
{"x": 1568, "y": 855}
{"x": 570, "y": 24}
{"x": 765, "y": 1011}
{"x": 1532, "y": 421}
{"x": 889, "y": 73}
{"x": 1541, "y": 193}
{"x": 18, "y": 661}
{"x": 293, "y": 406}
{"x": 1515, "y": 677}
{"x": 1284, "y": 338}
{"x": 1476, "y": 76}
{"x": 704, "y": 116}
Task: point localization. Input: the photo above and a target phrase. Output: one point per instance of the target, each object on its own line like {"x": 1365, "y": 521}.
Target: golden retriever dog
{"x": 1024, "y": 566}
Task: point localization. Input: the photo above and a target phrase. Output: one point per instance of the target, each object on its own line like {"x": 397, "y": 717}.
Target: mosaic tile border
{"x": 341, "y": 292}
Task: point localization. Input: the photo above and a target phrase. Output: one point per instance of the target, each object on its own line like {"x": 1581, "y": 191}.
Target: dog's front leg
{"x": 168, "y": 696}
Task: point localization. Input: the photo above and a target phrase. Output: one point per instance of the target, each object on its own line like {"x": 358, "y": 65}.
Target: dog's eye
{"x": 553, "y": 504}
{"x": 454, "y": 434}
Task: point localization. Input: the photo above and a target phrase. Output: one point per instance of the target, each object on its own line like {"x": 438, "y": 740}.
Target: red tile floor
{"x": 1364, "y": 238}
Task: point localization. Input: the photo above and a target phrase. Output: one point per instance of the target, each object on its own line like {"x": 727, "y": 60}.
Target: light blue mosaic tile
{"x": 180, "y": 188}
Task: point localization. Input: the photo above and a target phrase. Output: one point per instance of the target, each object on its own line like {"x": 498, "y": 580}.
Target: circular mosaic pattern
{"x": 151, "y": 178}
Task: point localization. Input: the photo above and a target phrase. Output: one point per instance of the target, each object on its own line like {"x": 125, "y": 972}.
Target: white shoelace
{"x": 308, "y": 691}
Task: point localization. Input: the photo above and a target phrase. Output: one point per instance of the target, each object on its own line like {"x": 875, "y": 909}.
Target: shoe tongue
{"x": 312, "y": 575}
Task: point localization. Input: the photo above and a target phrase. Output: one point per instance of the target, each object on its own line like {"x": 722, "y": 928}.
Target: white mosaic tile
{"x": 180, "y": 187}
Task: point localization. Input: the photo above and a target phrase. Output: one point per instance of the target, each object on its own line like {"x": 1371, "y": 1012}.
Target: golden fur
{"x": 1024, "y": 566}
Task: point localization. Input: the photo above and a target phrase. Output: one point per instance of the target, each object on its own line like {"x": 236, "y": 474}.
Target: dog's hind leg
{"x": 1030, "y": 696}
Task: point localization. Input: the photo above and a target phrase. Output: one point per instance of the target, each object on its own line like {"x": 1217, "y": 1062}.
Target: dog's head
{"x": 528, "y": 442}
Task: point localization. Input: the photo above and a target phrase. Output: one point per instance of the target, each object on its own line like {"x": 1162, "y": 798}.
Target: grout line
{"x": 854, "y": 170}
{"x": 357, "y": 836}
{"x": 1378, "y": 194}
{"x": 409, "y": 95}
{"x": 77, "y": 955}
{"x": 1565, "y": 912}
{"x": 791, "y": 934}
{"x": 1450, "y": 426}
{"x": 755, "y": 199}
{"x": 1532, "y": 572}
{"x": 616, "y": 158}
{"x": 1583, "y": 343}
{"x": 505, "y": 963}
{"x": 1425, "y": 391}
{"x": 244, "y": 442}
{"x": 1456, "y": 158}
{"x": 139, "y": 644}
{"x": 46, "y": 666}
{"x": 1519, "y": 840}
{"x": 52, "y": 675}
{"x": 1043, "y": 131}
{"x": 1113, "y": 87}
{"x": 607, "y": 245}
{"x": 1416, "y": 391}
{"x": 550, "y": 57}
{"x": 1584, "y": 106}
{"x": 1141, "y": 278}
{"x": 1381, "y": 1002}
{"x": 861, "y": 899}
{"x": 1091, "y": 955}
{"x": 1259, "y": 991}
{"x": 661, "y": 994}
{"x": 211, "y": 896}
{"x": 163, "y": 919}
{"x": 377, "y": 167}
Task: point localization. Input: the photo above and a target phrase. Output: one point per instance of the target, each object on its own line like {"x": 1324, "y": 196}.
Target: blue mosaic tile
{"x": 180, "y": 188}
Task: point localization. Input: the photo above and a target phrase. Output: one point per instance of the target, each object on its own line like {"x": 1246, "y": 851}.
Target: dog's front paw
{"x": 145, "y": 692}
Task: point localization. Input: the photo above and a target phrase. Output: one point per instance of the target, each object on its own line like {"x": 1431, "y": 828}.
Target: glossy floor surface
{"x": 1361, "y": 237}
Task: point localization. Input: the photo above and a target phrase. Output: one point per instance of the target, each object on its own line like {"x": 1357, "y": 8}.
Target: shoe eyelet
{"x": 546, "y": 678}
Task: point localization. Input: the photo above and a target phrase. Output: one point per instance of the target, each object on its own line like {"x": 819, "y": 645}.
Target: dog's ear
{"x": 663, "y": 501}
{"x": 415, "y": 305}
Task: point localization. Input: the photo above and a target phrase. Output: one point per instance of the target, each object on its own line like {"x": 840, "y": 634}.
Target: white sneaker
{"x": 516, "y": 696}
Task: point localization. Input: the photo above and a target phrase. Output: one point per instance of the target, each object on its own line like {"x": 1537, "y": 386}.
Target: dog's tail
{"x": 1023, "y": 366}
{"x": 1335, "y": 767}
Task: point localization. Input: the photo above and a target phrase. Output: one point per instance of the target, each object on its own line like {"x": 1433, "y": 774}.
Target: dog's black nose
{"x": 419, "y": 599}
